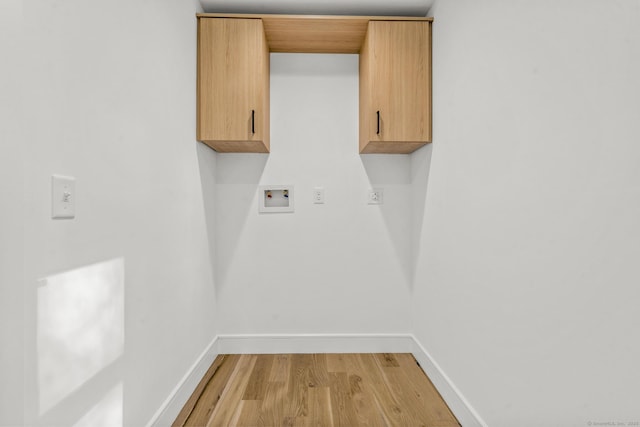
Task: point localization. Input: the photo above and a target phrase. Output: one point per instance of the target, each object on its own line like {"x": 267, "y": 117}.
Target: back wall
{"x": 338, "y": 267}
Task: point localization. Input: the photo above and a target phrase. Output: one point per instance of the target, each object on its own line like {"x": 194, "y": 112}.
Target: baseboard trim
{"x": 171, "y": 407}
{"x": 315, "y": 343}
{"x": 464, "y": 412}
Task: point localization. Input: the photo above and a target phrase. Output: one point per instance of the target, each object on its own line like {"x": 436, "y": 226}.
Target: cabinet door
{"x": 233, "y": 85}
{"x": 395, "y": 87}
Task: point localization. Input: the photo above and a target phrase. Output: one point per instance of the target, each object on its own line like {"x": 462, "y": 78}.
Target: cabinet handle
{"x": 253, "y": 121}
{"x": 378, "y": 131}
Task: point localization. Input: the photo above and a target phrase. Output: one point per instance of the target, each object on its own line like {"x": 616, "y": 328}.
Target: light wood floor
{"x": 316, "y": 390}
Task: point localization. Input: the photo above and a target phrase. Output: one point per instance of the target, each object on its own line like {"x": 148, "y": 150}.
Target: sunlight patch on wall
{"x": 80, "y": 329}
{"x": 106, "y": 413}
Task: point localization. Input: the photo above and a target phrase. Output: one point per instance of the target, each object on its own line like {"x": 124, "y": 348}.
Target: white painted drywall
{"x": 110, "y": 90}
{"x": 527, "y": 282}
{"x": 11, "y": 212}
{"x": 339, "y": 267}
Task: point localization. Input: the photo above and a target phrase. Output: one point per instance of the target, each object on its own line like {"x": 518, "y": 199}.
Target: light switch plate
{"x": 63, "y": 197}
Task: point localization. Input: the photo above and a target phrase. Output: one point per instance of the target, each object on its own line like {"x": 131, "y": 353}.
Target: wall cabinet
{"x": 233, "y": 75}
{"x": 395, "y": 87}
{"x": 233, "y": 85}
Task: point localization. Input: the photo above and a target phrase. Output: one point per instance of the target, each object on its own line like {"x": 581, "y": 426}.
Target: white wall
{"x": 123, "y": 294}
{"x": 341, "y": 267}
{"x": 11, "y": 210}
{"x": 527, "y": 277}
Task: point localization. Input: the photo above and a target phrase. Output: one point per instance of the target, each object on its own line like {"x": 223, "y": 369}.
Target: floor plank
{"x": 257, "y": 385}
{"x": 387, "y": 360}
{"x": 207, "y": 394}
{"x": 298, "y": 387}
{"x": 376, "y": 384}
{"x": 412, "y": 377}
{"x": 281, "y": 368}
{"x": 274, "y": 405}
{"x": 342, "y": 407}
{"x": 319, "y": 408}
{"x": 329, "y": 390}
{"x": 232, "y": 393}
{"x": 248, "y": 413}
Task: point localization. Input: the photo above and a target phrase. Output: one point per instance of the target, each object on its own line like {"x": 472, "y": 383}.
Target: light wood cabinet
{"x": 395, "y": 87}
{"x": 233, "y": 85}
{"x": 233, "y": 75}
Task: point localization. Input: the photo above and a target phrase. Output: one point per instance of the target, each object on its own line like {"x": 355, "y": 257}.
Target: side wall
{"x": 119, "y": 302}
{"x": 526, "y": 288}
{"x": 11, "y": 215}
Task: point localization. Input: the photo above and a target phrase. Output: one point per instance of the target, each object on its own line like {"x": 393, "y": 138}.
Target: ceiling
{"x": 320, "y": 7}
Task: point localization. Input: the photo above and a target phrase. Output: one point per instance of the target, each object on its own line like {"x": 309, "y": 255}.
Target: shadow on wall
{"x": 79, "y": 341}
{"x": 234, "y": 180}
{"x": 207, "y": 164}
{"x": 404, "y": 179}
{"x": 420, "y": 168}
{"x": 392, "y": 173}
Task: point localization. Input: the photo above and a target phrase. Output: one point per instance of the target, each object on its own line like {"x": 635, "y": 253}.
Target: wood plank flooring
{"x": 315, "y": 390}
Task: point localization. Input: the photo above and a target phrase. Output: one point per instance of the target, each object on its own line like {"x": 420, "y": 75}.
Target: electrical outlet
{"x": 318, "y": 195}
{"x": 375, "y": 196}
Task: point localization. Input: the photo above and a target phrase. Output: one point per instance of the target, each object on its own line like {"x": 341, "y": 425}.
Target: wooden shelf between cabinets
{"x": 395, "y": 75}
{"x": 314, "y": 33}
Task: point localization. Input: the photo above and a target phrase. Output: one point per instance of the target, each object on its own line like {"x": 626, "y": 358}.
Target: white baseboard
{"x": 464, "y": 412}
{"x": 315, "y": 343}
{"x": 171, "y": 407}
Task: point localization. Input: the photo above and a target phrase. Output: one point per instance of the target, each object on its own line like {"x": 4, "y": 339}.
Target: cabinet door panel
{"x": 233, "y": 97}
{"x": 395, "y": 73}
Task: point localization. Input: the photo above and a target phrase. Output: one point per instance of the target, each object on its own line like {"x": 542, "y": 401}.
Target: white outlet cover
{"x": 318, "y": 195}
{"x": 63, "y": 197}
{"x": 375, "y": 196}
